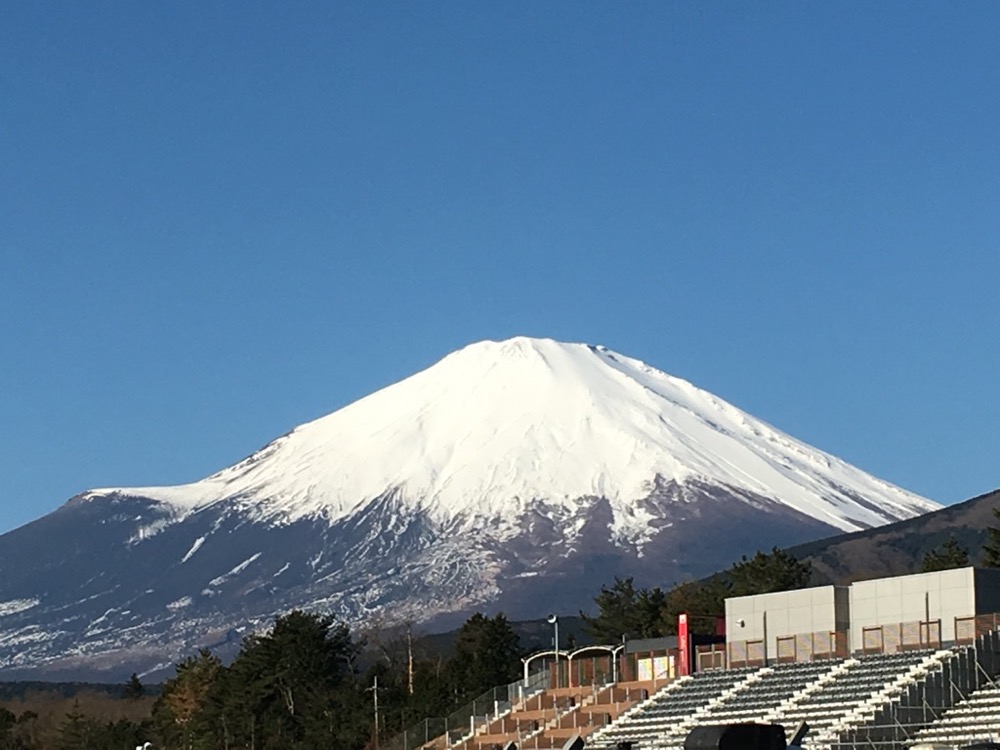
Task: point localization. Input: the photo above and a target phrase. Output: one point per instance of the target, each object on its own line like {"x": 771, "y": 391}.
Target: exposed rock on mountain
{"x": 518, "y": 475}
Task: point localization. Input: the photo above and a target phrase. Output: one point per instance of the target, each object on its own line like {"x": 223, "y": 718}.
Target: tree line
{"x": 306, "y": 683}
{"x": 310, "y": 682}
{"x": 627, "y": 611}
{"x": 951, "y": 554}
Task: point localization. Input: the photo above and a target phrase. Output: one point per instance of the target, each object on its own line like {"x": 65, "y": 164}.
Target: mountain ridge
{"x": 465, "y": 436}
{"x": 518, "y": 475}
{"x": 899, "y": 548}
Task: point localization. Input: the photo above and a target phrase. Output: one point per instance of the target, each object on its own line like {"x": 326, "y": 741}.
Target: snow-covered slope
{"x": 514, "y": 476}
{"x": 496, "y": 425}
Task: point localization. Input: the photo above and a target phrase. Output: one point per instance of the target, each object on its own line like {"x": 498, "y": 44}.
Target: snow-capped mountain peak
{"x": 515, "y": 476}
{"x": 499, "y": 424}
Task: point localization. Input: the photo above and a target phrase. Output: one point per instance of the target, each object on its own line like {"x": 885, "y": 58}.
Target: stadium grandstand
{"x": 888, "y": 664}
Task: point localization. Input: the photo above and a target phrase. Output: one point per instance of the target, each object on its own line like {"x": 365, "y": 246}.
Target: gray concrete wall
{"x": 944, "y": 595}
{"x": 815, "y": 610}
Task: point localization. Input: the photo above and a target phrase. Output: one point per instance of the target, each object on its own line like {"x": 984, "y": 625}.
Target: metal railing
{"x": 495, "y": 713}
{"x": 441, "y": 732}
{"x": 558, "y": 714}
{"x": 893, "y": 726}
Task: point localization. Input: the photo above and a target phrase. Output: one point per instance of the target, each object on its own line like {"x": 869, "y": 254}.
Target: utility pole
{"x": 409, "y": 657}
{"x": 553, "y": 620}
{"x": 374, "y": 689}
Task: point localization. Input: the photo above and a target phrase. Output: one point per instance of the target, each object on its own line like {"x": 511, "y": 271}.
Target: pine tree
{"x": 991, "y": 549}
{"x": 25, "y": 733}
{"x": 624, "y": 610}
{"x": 768, "y": 572}
{"x": 117, "y": 735}
{"x": 487, "y": 654}
{"x": 76, "y": 730}
{"x": 946, "y": 557}
{"x": 8, "y": 723}
{"x": 703, "y": 602}
{"x": 134, "y": 689}
{"x": 281, "y": 689}
{"x": 184, "y": 699}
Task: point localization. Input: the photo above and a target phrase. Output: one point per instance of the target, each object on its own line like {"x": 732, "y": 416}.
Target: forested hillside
{"x": 899, "y": 548}
{"x": 311, "y": 682}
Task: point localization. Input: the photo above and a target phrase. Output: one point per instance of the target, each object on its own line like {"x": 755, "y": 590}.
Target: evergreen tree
{"x": 179, "y": 711}
{"x": 118, "y": 735}
{"x": 25, "y": 734}
{"x": 991, "y": 548}
{"x": 281, "y": 688}
{"x": 624, "y": 610}
{"x": 134, "y": 689}
{"x": 945, "y": 557}
{"x": 487, "y": 654}
{"x": 7, "y": 722}
{"x": 702, "y": 601}
{"x": 431, "y": 694}
{"x": 8, "y": 727}
{"x": 768, "y": 572}
{"x": 76, "y": 730}
{"x": 15, "y": 731}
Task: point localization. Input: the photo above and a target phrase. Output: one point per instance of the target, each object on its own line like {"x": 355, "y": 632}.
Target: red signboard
{"x": 683, "y": 645}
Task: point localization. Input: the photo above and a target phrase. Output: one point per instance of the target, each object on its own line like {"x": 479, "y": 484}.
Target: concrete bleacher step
{"x": 810, "y": 689}
{"x": 846, "y": 696}
{"x": 630, "y": 715}
{"x": 976, "y": 718}
{"x": 851, "y": 694}
{"x": 652, "y": 720}
{"x": 866, "y": 710}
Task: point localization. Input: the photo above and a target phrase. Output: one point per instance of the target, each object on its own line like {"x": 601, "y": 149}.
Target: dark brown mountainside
{"x": 898, "y": 548}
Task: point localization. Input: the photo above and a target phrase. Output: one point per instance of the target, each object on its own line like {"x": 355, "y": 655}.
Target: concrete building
{"x": 886, "y": 614}
{"x": 788, "y": 625}
{"x": 920, "y": 609}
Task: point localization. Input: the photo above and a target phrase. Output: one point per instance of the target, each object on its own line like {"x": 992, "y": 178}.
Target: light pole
{"x": 614, "y": 660}
{"x": 374, "y": 689}
{"x": 554, "y": 622}
{"x": 764, "y": 623}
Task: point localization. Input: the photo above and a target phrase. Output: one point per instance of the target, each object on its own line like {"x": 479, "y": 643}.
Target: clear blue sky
{"x": 220, "y": 220}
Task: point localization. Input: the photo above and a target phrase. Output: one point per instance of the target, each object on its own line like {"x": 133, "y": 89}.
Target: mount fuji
{"x": 518, "y": 475}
